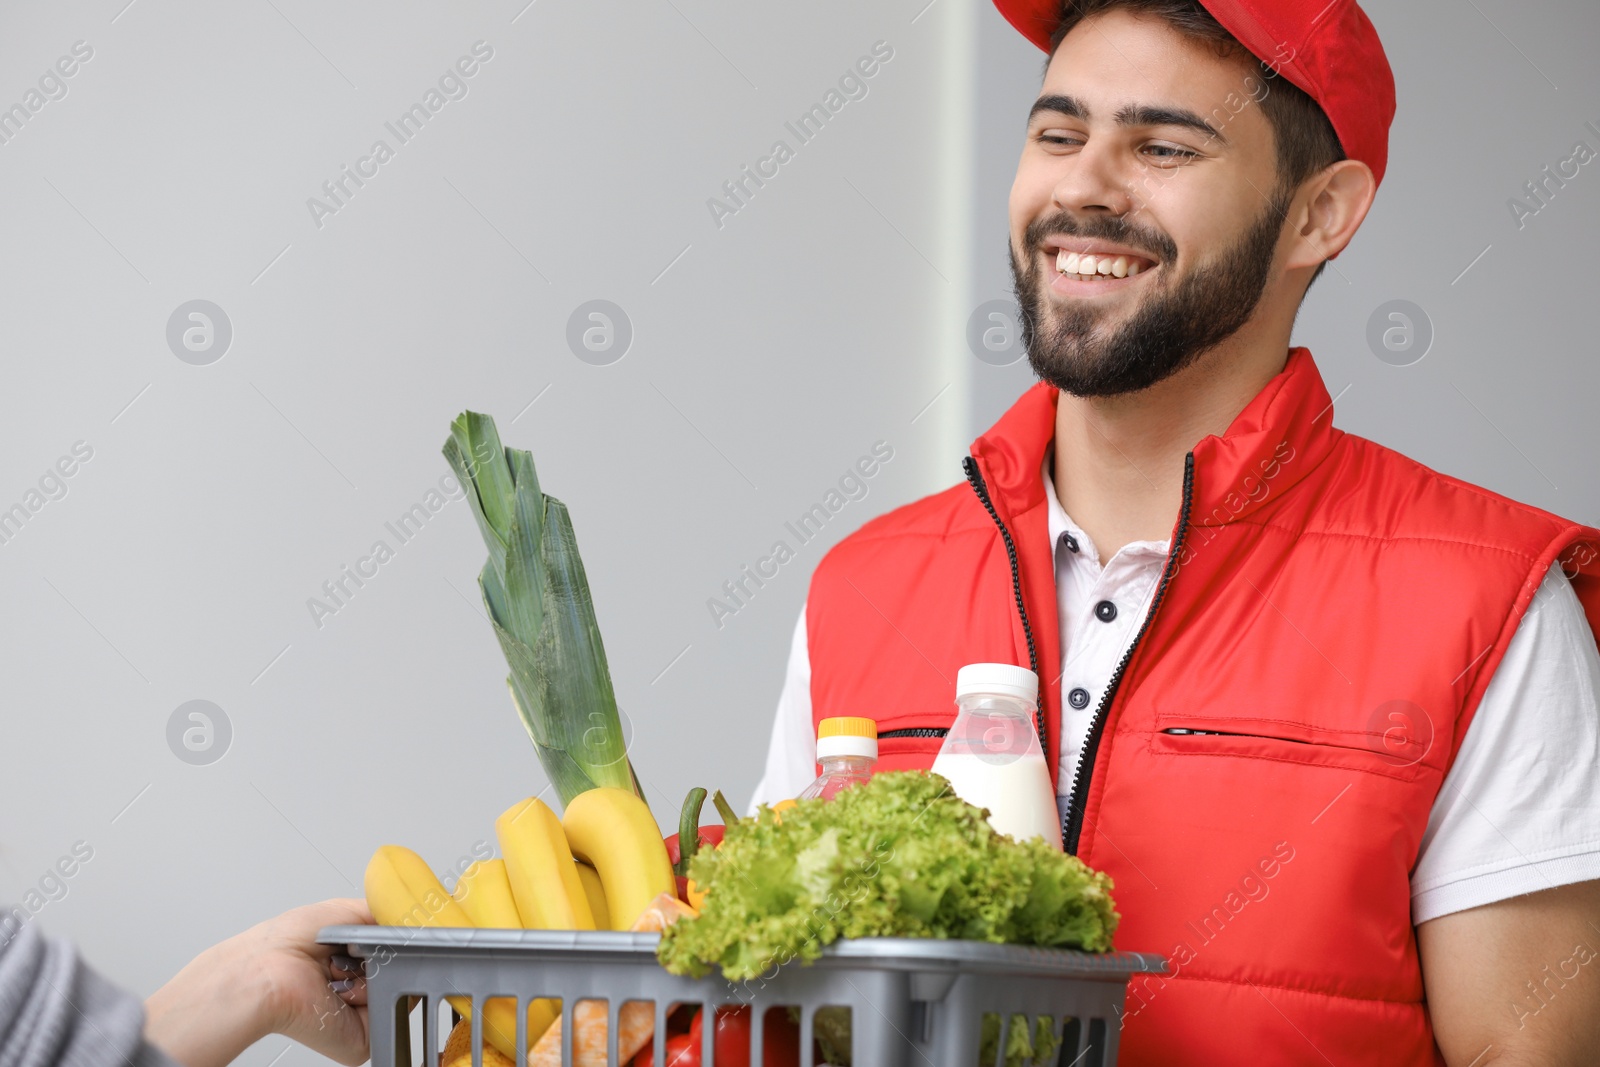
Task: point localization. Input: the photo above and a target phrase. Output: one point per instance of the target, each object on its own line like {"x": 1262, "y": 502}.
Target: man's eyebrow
{"x": 1150, "y": 115}
{"x": 1065, "y": 105}
{"x": 1130, "y": 115}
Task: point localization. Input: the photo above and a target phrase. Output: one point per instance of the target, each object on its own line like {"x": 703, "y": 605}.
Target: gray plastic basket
{"x": 912, "y": 1001}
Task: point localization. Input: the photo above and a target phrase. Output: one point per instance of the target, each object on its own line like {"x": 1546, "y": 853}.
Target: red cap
{"x": 1328, "y": 48}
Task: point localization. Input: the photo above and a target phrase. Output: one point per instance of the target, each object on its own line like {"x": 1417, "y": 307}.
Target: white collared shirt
{"x": 1518, "y": 812}
{"x": 1094, "y": 637}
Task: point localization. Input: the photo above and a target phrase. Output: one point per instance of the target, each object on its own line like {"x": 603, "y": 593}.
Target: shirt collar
{"x": 1061, "y": 525}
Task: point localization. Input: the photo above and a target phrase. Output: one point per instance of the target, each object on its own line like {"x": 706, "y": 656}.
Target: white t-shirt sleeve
{"x": 1520, "y": 809}
{"x": 792, "y": 752}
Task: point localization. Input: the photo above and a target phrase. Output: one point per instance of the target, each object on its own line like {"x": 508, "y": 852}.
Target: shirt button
{"x": 1105, "y": 611}
{"x": 1078, "y": 698}
{"x": 1072, "y": 542}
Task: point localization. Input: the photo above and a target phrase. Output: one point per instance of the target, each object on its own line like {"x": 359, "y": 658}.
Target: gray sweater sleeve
{"x": 56, "y": 1012}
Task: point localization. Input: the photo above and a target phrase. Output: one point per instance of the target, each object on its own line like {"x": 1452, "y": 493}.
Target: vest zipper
{"x": 1072, "y": 824}
{"x": 975, "y": 479}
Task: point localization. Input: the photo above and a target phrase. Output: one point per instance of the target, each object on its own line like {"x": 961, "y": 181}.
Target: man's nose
{"x": 1097, "y": 180}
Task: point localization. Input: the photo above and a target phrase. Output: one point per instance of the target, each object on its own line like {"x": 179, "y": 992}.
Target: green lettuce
{"x": 898, "y": 856}
{"x": 1019, "y": 1049}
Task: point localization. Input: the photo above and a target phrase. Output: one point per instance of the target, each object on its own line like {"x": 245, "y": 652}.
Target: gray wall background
{"x": 769, "y": 353}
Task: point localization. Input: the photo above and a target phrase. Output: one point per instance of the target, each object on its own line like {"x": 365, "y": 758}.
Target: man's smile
{"x": 1087, "y": 265}
{"x": 1081, "y": 267}
{"x": 1088, "y": 274}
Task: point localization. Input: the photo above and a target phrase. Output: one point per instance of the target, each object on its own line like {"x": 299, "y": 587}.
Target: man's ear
{"x": 1331, "y": 207}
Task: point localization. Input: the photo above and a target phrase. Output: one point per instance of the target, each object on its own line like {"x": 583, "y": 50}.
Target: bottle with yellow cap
{"x": 847, "y": 747}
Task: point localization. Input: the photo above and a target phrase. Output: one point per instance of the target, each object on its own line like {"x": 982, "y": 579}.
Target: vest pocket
{"x": 907, "y": 743}
{"x": 1284, "y": 742}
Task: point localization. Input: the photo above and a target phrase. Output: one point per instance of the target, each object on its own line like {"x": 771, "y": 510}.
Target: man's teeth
{"x": 1085, "y": 265}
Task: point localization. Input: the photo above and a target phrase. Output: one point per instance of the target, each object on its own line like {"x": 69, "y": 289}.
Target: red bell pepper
{"x": 780, "y": 1039}
{"x": 680, "y": 1053}
{"x": 709, "y": 835}
{"x": 689, "y": 824}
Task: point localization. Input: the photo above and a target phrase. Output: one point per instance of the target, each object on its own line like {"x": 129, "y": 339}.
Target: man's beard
{"x": 1176, "y": 322}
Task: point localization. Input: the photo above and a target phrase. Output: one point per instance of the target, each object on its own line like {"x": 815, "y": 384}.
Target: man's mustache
{"x": 1106, "y": 228}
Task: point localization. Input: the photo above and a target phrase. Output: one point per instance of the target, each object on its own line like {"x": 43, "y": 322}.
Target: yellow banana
{"x": 403, "y": 891}
{"x": 500, "y": 1025}
{"x": 613, "y": 830}
{"x": 484, "y": 893}
{"x": 544, "y": 878}
{"x": 596, "y": 894}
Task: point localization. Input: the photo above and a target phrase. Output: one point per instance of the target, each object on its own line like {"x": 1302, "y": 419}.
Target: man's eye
{"x": 1056, "y": 137}
{"x": 1164, "y": 151}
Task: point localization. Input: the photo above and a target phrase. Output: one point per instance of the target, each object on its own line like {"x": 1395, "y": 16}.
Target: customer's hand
{"x": 273, "y": 978}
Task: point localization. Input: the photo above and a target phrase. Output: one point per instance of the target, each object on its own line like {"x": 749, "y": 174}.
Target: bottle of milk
{"x": 992, "y": 756}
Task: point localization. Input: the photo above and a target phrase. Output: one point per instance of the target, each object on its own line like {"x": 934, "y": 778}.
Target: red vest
{"x": 1330, "y": 615}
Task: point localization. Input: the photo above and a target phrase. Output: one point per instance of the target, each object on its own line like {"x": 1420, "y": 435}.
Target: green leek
{"x": 537, "y": 598}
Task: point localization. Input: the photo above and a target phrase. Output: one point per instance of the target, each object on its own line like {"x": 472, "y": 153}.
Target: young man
{"x": 1328, "y": 717}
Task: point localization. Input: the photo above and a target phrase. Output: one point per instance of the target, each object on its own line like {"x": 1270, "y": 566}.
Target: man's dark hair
{"x": 1305, "y": 139}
